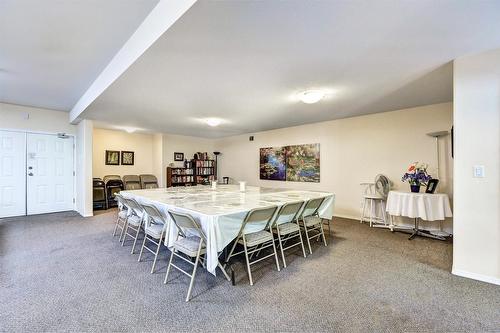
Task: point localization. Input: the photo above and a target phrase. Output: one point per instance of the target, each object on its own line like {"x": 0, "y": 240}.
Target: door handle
{"x": 30, "y": 174}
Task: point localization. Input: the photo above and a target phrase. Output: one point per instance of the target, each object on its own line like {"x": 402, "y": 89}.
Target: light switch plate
{"x": 478, "y": 171}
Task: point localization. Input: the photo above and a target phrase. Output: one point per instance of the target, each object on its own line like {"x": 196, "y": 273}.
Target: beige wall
{"x": 34, "y": 119}
{"x": 476, "y": 244}
{"x": 140, "y": 144}
{"x": 183, "y": 144}
{"x": 353, "y": 150}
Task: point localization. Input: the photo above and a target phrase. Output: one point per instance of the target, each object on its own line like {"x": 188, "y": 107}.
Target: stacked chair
{"x": 99, "y": 194}
{"x": 113, "y": 185}
{"x": 148, "y": 181}
{"x": 131, "y": 182}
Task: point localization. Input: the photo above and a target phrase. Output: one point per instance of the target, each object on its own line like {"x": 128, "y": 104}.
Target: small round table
{"x": 425, "y": 206}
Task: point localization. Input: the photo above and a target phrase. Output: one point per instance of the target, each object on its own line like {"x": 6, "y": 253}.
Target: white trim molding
{"x": 476, "y": 276}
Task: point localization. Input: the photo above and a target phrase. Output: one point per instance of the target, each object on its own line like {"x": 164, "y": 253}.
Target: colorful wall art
{"x": 302, "y": 163}
{"x": 272, "y": 163}
{"x": 299, "y": 163}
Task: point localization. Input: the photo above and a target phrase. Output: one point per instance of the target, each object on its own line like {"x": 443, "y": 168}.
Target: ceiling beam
{"x": 161, "y": 18}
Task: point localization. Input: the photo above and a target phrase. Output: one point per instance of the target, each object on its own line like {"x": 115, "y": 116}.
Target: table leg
{"x": 415, "y": 230}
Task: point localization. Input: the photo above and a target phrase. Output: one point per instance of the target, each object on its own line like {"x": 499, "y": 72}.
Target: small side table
{"x": 425, "y": 206}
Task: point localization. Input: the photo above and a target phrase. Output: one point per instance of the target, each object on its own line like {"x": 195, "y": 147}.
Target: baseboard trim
{"x": 475, "y": 276}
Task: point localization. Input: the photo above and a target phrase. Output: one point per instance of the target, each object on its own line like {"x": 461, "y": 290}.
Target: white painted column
{"x": 476, "y": 244}
{"x": 84, "y": 168}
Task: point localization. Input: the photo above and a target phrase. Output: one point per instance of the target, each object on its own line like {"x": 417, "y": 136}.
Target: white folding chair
{"x": 121, "y": 219}
{"x": 286, "y": 226}
{"x": 154, "y": 231}
{"x": 311, "y": 223}
{"x": 254, "y": 236}
{"x": 134, "y": 220}
{"x": 192, "y": 243}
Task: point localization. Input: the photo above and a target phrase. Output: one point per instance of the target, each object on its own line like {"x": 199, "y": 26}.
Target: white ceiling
{"x": 52, "y": 50}
{"x": 242, "y": 61}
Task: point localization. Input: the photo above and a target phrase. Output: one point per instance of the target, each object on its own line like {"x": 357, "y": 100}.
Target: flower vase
{"x": 415, "y": 188}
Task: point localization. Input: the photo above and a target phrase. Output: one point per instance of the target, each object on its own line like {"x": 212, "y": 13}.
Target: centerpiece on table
{"x": 417, "y": 176}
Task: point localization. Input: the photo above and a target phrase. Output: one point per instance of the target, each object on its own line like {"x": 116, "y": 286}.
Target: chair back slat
{"x": 312, "y": 206}
{"x": 258, "y": 219}
{"x": 154, "y": 214}
{"x": 186, "y": 222}
{"x": 134, "y": 206}
{"x": 288, "y": 212}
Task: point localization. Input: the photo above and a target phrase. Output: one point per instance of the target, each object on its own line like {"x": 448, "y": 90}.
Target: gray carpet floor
{"x": 61, "y": 272}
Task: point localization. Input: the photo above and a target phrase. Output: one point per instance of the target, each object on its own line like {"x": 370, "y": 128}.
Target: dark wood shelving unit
{"x": 204, "y": 171}
{"x": 180, "y": 176}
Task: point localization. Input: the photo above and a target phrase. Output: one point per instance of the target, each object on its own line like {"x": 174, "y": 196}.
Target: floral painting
{"x": 272, "y": 163}
{"x": 302, "y": 163}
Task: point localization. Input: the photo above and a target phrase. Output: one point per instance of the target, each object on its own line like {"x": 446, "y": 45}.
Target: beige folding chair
{"x": 192, "y": 243}
{"x": 286, "y": 226}
{"x": 154, "y": 231}
{"x": 148, "y": 181}
{"x": 311, "y": 222}
{"x": 131, "y": 182}
{"x": 258, "y": 220}
{"x": 135, "y": 218}
{"x": 121, "y": 219}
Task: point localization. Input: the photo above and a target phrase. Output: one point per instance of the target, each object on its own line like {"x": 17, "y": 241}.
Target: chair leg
{"x": 223, "y": 271}
{"x": 302, "y": 243}
{"x": 156, "y": 255}
{"x": 248, "y": 261}
{"x": 142, "y": 247}
{"x": 275, "y": 253}
{"x": 125, "y": 233}
{"x": 169, "y": 264}
{"x": 122, "y": 233}
{"x": 281, "y": 247}
{"x": 371, "y": 213}
{"x": 116, "y": 226}
{"x": 135, "y": 239}
{"x": 363, "y": 211}
{"x": 323, "y": 234}
{"x": 307, "y": 237}
{"x": 384, "y": 216}
{"x": 194, "y": 272}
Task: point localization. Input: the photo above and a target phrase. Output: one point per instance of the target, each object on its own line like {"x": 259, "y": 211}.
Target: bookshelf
{"x": 204, "y": 171}
{"x": 180, "y": 176}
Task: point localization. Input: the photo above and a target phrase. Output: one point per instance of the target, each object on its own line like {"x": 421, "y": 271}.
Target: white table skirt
{"x": 221, "y": 212}
{"x": 427, "y": 206}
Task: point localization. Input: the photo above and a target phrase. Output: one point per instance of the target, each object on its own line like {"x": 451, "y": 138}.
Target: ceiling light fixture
{"x": 213, "y": 122}
{"x": 311, "y": 96}
{"x": 130, "y": 129}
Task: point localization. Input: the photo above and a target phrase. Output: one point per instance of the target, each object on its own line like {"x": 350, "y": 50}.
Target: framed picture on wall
{"x": 112, "y": 157}
{"x": 127, "y": 158}
{"x": 178, "y": 156}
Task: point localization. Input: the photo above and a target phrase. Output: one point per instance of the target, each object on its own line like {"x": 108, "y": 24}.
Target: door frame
{"x": 26, "y": 132}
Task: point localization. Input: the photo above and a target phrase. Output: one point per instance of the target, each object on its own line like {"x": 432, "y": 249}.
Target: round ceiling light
{"x": 213, "y": 122}
{"x": 311, "y": 96}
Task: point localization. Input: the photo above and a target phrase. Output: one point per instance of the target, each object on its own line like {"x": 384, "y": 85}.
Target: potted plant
{"x": 417, "y": 176}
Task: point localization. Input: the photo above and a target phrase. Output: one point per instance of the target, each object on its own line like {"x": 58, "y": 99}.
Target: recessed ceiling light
{"x": 213, "y": 122}
{"x": 311, "y": 96}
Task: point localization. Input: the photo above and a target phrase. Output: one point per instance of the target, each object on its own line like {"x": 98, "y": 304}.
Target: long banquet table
{"x": 221, "y": 211}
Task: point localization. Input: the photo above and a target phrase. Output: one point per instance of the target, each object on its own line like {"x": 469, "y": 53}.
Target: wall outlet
{"x": 478, "y": 171}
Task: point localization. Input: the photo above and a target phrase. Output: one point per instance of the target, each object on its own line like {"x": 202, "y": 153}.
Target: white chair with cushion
{"x": 154, "y": 231}
{"x": 190, "y": 243}
{"x": 254, "y": 236}
{"x": 135, "y": 218}
{"x": 286, "y": 227}
{"x": 311, "y": 222}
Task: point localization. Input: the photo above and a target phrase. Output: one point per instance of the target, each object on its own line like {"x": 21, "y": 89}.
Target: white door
{"x": 49, "y": 173}
{"x": 12, "y": 173}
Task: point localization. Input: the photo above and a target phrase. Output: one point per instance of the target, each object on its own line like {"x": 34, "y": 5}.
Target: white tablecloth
{"x": 221, "y": 212}
{"x": 427, "y": 206}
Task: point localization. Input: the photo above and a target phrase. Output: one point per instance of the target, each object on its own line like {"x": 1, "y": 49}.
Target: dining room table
{"x": 220, "y": 211}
